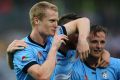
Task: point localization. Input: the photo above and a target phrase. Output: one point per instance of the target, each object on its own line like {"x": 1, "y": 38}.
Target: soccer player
{"x": 89, "y": 69}
{"x": 67, "y": 54}
{"x": 37, "y": 60}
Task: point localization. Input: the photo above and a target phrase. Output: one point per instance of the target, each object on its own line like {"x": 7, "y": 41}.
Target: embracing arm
{"x": 15, "y": 45}
{"x": 82, "y": 25}
{"x": 104, "y": 59}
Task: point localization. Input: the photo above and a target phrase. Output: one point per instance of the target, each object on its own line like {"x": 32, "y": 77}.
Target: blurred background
{"x": 14, "y": 23}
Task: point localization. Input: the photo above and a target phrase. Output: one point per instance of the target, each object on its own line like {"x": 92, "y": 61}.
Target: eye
{"x": 93, "y": 41}
{"x": 102, "y": 42}
{"x": 52, "y": 20}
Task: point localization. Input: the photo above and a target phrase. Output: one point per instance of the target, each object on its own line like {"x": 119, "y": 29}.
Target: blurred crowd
{"x": 14, "y": 23}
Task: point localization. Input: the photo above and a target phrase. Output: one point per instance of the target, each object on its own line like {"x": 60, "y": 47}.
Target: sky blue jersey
{"x": 64, "y": 65}
{"x": 34, "y": 54}
{"x": 82, "y": 71}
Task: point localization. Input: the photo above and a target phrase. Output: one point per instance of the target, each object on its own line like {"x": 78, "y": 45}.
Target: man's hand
{"x": 16, "y": 45}
{"x": 58, "y": 40}
{"x": 83, "y": 49}
{"x": 105, "y": 59}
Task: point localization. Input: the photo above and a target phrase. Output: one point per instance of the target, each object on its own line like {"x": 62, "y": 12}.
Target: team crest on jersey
{"x": 105, "y": 75}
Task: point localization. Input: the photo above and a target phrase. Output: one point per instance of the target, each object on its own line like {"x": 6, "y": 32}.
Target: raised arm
{"x": 44, "y": 71}
{"x": 82, "y": 25}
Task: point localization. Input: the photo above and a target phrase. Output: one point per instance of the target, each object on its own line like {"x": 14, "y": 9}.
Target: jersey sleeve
{"x": 24, "y": 59}
{"x": 61, "y": 30}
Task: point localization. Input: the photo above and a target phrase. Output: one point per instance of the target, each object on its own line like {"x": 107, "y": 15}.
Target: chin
{"x": 97, "y": 55}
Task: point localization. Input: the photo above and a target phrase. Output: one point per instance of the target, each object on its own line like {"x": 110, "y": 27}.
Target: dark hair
{"x": 67, "y": 18}
{"x": 97, "y": 28}
{"x": 71, "y": 44}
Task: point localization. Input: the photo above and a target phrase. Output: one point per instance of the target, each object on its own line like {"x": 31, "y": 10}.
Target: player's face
{"x": 48, "y": 24}
{"x": 97, "y": 43}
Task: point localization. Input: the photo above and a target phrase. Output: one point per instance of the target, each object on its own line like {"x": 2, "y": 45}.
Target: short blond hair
{"x": 39, "y": 10}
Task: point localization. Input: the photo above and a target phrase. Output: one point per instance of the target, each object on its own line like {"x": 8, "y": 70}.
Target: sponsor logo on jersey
{"x": 25, "y": 58}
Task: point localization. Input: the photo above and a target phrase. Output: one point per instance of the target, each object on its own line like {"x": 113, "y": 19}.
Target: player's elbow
{"x": 84, "y": 22}
{"x": 85, "y": 19}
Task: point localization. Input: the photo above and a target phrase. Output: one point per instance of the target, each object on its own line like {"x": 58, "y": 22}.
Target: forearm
{"x": 49, "y": 65}
{"x": 83, "y": 26}
{"x": 44, "y": 71}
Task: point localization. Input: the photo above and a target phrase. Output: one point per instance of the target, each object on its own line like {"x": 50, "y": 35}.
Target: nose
{"x": 56, "y": 24}
{"x": 99, "y": 46}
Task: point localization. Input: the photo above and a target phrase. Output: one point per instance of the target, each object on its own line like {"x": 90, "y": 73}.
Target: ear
{"x": 36, "y": 20}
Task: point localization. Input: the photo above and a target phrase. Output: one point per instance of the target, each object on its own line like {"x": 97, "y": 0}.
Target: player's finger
{"x": 104, "y": 63}
{"x": 16, "y": 48}
{"x": 21, "y": 45}
{"x": 101, "y": 63}
{"x": 64, "y": 37}
{"x": 62, "y": 41}
{"x": 85, "y": 55}
{"x": 81, "y": 56}
{"x": 18, "y": 42}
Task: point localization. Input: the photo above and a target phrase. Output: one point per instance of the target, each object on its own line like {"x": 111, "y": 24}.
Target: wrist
{"x": 82, "y": 40}
{"x": 54, "y": 47}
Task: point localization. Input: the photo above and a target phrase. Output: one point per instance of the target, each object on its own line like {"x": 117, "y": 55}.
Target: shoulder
{"x": 114, "y": 62}
{"x": 23, "y": 53}
{"x": 77, "y": 64}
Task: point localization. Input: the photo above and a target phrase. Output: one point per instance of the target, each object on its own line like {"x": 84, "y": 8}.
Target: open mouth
{"x": 97, "y": 51}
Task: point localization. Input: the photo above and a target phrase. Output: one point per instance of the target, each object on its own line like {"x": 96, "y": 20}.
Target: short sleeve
{"x": 24, "y": 58}
{"x": 61, "y": 30}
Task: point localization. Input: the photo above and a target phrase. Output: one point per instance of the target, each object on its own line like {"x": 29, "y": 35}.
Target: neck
{"x": 92, "y": 61}
{"x": 37, "y": 37}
